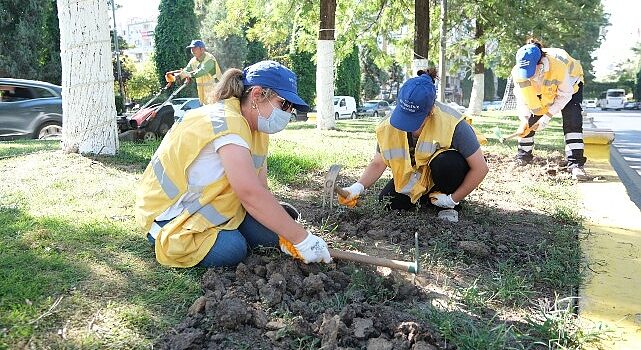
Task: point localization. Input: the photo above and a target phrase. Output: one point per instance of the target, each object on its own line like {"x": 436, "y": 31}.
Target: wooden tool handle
{"x": 366, "y": 259}
{"x": 341, "y": 191}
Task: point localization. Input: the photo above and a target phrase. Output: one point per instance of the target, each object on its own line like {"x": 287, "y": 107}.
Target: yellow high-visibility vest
{"x": 186, "y": 239}
{"x": 206, "y": 83}
{"x": 436, "y": 137}
{"x": 539, "y": 98}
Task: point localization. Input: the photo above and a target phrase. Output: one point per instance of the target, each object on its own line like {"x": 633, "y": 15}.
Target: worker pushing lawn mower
{"x": 204, "y": 68}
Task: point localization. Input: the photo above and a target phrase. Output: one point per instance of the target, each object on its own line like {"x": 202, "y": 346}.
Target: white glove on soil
{"x": 354, "y": 190}
{"x": 542, "y": 123}
{"x": 442, "y": 200}
{"x": 311, "y": 249}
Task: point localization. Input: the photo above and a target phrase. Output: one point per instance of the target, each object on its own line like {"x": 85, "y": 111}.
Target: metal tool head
{"x": 330, "y": 182}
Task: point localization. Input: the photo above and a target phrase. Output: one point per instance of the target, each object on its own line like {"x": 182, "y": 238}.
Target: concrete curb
{"x": 626, "y": 174}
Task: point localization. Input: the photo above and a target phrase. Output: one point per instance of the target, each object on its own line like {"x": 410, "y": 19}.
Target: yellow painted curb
{"x": 611, "y": 292}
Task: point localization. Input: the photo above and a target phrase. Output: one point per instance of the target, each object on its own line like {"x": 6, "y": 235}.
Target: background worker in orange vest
{"x": 548, "y": 81}
{"x": 204, "y": 68}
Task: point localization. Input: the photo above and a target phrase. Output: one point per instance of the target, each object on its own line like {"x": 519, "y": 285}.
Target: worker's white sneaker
{"x": 578, "y": 173}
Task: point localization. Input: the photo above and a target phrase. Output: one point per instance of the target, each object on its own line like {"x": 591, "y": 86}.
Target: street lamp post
{"x": 122, "y": 90}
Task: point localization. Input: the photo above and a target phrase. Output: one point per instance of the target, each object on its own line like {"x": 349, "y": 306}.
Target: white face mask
{"x": 276, "y": 121}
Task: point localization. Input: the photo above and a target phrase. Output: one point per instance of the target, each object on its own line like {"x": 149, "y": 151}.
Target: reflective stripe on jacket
{"x": 205, "y": 84}
{"x": 539, "y": 98}
{"x": 186, "y": 239}
{"x": 435, "y": 138}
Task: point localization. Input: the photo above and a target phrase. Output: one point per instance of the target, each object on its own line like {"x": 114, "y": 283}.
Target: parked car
{"x": 590, "y": 103}
{"x": 492, "y": 105}
{"x": 457, "y": 106}
{"x": 344, "y": 107}
{"x": 298, "y": 115}
{"x": 182, "y": 105}
{"x": 30, "y": 109}
{"x": 632, "y": 105}
{"x": 374, "y": 108}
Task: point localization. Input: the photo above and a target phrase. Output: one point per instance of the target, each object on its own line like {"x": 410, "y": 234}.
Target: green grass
{"x": 67, "y": 230}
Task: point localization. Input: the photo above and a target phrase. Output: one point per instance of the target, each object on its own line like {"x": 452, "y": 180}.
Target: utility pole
{"x": 113, "y": 11}
{"x": 442, "y": 66}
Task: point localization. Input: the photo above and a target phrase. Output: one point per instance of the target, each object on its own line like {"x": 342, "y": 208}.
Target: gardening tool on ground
{"x": 407, "y": 266}
{"x": 499, "y": 135}
{"x": 330, "y": 186}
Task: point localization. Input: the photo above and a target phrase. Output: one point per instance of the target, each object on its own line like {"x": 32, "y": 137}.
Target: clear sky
{"x": 136, "y": 8}
{"x": 623, "y": 33}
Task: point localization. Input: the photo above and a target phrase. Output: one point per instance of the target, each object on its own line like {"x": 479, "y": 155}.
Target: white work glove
{"x": 311, "y": 249}
{"x": 354, "y": 190}
{"x": 442, "y": 200}
{"x": 542, "y": 123}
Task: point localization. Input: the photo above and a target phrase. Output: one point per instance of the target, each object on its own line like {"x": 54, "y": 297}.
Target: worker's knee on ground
{"x": 448, "y": 170}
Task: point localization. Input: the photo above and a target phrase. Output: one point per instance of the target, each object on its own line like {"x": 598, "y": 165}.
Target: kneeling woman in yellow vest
{"x": 434, "y": 155}
{"x": 203, "y": 199}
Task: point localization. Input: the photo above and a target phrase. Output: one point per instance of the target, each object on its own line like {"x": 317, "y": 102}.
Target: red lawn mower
{"x": 152, "y": 121}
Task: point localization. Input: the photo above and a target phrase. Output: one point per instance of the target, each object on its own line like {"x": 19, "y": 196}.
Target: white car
{"x": 590, "y": 103}
{"x": 182, "y": 105}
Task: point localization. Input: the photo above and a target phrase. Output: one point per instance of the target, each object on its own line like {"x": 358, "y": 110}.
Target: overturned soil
{"x": 273, "y": 302}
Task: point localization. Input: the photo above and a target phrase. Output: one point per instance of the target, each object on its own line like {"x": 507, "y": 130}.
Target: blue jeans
{"x": 232, "y": 245}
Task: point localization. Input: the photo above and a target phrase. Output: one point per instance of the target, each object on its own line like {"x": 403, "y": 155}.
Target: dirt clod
{"x": 474, "y": 248}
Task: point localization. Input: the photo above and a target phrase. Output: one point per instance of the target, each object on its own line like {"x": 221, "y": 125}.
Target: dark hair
{"x": 538, "y": 44}
{"x": 431, "y": 72}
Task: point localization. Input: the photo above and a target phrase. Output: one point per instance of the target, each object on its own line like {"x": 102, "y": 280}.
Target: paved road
{"x": 626, "y": 157}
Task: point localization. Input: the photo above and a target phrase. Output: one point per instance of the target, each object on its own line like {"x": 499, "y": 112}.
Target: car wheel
{"x": 49, "y": 131}
{"x": 353, "y": 115}
{"x": 292, "y": 118}
{"x": 375, "y": 114}
{"x": 336, "y": 116}
{"x": 150, "y": 136}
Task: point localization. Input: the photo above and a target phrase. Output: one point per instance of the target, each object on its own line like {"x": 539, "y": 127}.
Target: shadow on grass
{"x": 98, "y": 268}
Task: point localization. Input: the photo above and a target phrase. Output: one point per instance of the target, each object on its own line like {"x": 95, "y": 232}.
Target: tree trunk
{"x": 325, "y": 69}
{"x": 89, "y": 111}
{"x": 442, "y": 68}
{"x": 421, "y": 35}
{"x": 478, "y": 87}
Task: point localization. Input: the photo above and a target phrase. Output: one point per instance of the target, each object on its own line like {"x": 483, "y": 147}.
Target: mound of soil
{"x": 272, "y": 302}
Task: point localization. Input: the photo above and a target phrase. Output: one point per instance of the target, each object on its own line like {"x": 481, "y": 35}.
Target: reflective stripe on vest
{"x": 258, "y": 161}
{"x": 168, "y": 186}
{"x": 396, "y": 153}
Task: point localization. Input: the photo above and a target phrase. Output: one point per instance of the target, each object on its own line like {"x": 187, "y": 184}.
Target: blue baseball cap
{"x": 526, "y": 59}
{"x": 196, "y": 43}
{"x": 414, "y": 102}
{"x": 273, "y": 75}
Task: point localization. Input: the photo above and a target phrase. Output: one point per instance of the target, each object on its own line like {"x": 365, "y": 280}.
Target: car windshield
{"x": 369, "y": 104}
{"x": 616, "y": 94}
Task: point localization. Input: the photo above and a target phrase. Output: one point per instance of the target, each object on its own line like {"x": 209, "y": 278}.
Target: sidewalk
{"x": 611, "y": 293}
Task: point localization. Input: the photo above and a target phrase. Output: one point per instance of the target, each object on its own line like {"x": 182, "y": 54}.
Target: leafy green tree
{"x": 229, "y": 48}
{"x": 122, "y": 44}
{"x": 175, "y": 30}
{"x": 348, "y": 76}
{"x": 305, "y": 69}
{"x": 257, "y": 52}
{"x": 143, "y": 83}
{"x": 372, "y": 77}
{"x": 637, "y": 86}
{"x": 30, "y": 40}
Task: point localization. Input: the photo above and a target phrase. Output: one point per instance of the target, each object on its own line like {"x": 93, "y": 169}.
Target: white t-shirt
{"x": 205, "y": 169}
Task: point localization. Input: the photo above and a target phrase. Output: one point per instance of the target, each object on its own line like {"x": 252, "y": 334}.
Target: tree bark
{"x": 442, "y": 67}
{"x": 89, "y": 110}
{"x": 325, "y": 68}
{"x": 478, "y": 87}
{"x": 421, "y": 35}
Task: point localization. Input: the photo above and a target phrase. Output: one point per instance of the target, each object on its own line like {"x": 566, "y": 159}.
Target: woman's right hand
{"x": 311, "y": 249}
